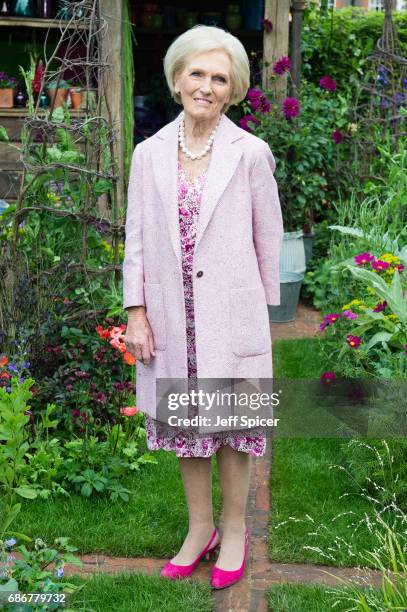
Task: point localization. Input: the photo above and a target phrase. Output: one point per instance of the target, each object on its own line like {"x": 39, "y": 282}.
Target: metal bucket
{"x": 292, "y": 256}
{"x": 290, "y": 286}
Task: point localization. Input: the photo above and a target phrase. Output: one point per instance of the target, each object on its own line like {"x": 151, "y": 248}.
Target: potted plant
{"x": 7, "y": 87}
{"x": 76, "y": 95}
{"x": 57, "y": 92}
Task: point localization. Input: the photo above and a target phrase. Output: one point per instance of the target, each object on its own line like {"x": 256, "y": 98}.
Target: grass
{"x": 153, "y": 523}
{"x": 313, "y": 598}
{"x": 130, "y": 591}
{"x": 302, "y": 484}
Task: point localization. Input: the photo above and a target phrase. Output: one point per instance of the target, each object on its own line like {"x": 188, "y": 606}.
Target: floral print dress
{"x": 185, "y": 443}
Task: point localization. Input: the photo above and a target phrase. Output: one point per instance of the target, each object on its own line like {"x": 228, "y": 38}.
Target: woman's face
{"x": 205, "y": 85}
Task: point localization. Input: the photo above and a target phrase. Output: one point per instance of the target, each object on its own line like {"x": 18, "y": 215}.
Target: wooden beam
{"x": 276, "y": 43}
{"x": 112, "y": 12}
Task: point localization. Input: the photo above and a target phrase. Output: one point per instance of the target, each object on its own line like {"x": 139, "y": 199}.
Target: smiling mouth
{"x": 202, "y": 100}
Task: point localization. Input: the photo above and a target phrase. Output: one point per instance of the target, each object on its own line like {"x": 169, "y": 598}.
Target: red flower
{"x": 129, "y": 411}
{"x": 337, "y": 136}
{"x": 244, "y": 122}
{"x": 363, "y": 258}
{"x": 328, "y": 83}
{"x": 282, "y": 65}
{"x": 353, "y": 341}
{"x": 328, "y": 377}
{"x": 3, "y": 361}
{"x": 291, "y": 108}
{"x": 267, "y": 25}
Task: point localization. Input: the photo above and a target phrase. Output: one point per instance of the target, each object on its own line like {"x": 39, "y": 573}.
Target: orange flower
{"x": 103, "y": 333}
{"x": 3, "y": 361}
{"x": 129, "y": 411}
{"x": 128, "y": 358}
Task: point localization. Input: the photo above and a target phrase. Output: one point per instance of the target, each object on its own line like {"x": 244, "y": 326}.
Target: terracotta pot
{"x": 76, "y": 98}
{"x": 59, "y": 94}
{"x": 7, "y": 97}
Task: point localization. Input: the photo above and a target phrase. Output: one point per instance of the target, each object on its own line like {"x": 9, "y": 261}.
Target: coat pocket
{"x": 153, "y": 294}
{"x": 250, "y": 326}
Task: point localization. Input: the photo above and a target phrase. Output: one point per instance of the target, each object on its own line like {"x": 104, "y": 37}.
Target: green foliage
{"x": 338, "y": 43}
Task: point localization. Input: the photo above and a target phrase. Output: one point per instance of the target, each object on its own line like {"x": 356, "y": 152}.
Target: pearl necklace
{"x": 184, "y": 148}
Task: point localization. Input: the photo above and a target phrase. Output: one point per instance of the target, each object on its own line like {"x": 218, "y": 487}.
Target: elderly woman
{"x": 203, "y": 238}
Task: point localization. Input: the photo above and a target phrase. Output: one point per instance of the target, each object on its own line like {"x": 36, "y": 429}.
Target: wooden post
{"x": 275, "y": 43}
{"x": 298, "y": 7}
{"x": 111, "y": 53}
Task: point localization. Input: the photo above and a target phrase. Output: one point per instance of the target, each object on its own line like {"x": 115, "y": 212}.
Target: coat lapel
{"x": 226, "y": 153}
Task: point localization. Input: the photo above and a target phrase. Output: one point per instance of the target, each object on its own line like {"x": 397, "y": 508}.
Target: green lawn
{"x": 127, "y": 592}
{"x": 153, "y": 523}
{"x": 302, "y": 484}
{"x": 312, "y": 598}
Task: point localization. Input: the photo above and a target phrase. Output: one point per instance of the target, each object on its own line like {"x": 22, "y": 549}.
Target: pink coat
{"x": 235, "y": 265}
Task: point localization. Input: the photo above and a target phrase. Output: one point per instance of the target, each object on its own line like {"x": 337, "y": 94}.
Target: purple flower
{"x": 337, "y": 136}
{"x": 353, "y": 341}
{"x": 399, "y": 98}
{"x": 328, "y": 377}
{"x": 331, "y": 318}
{"x": 244, "y": 122}
{"x": 291, "y": 108}
{"x": 282, "y": 65}
{"x": 380, "y": 306}
{"x": 322, "y": 326}
{"x": 328, "y": 83}
{"x": 363, "y": 258}
{"x": 349, "y": 314}
{"x": 267, "y": 25}
{"x": 10, "y": 542}
{"x": 59, "y": 572}
{"x": 379, "y": 264}
{"x": 258, "y": 100}
{"x": 12, "y": 367}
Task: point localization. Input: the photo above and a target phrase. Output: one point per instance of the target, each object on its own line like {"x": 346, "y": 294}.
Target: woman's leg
{"x": 197, "y": 478}
{"x": 234, "y": 475}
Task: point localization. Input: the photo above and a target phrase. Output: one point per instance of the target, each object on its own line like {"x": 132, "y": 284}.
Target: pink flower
{"x": 129, "y": 411}
{"x": 331, "y": 318}
{"x": 328, "y": 377}
{"x": 267, "y": 25}
{"x": 400, "y": 267}
{"x": 244, "y": 122}
{"x": 380, "y": 306}
{"x": 353, "y": 341}
{"x": 337, "y": 136}
{"x": 349, "y": 314}
{"x": 282, "y": 65}
{"x": 322, "y": 326}
{"x": 363, "y": 258}
{"x": 75, "y": 413}
{"x": 379, "y": 264}
{"x": 291, "y": 108}
{"x": 328, "y": 83}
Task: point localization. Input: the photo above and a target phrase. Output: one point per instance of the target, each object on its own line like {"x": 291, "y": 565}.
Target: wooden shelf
{"x": 32, "y": 22}
{"x": 23, "y": 112}
{"x": 175, "y": 31}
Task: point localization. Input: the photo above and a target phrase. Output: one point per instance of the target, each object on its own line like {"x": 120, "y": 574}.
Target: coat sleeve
{"x": 133, "y": 268}
{"x": 267, "y": 222}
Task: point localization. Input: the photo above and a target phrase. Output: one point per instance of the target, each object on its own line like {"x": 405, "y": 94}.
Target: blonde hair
{"x": 201, "y": 38}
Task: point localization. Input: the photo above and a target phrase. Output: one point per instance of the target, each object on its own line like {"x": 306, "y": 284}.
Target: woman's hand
{"x": 139, "y": 336}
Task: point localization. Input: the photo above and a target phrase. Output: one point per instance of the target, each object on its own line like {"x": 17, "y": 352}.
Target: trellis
{"x": 383, "y": 93}
{"x": 91, "y": 133}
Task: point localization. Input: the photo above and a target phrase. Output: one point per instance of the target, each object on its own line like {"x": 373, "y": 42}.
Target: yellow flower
{"x": 392, "y": 317}
{"x": 353, "y": 127}
{"x": 371, "y": 290}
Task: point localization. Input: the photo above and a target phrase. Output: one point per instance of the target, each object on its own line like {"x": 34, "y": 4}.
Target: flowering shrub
{"x": 7, "y": 82}
{"x": 304, "y": 135}
{"x": 372, "y": 330}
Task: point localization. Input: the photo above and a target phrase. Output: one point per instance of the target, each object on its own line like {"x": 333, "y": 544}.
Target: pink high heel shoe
{"x": 224, "y": 578}
{"x": 177, "y": 572}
